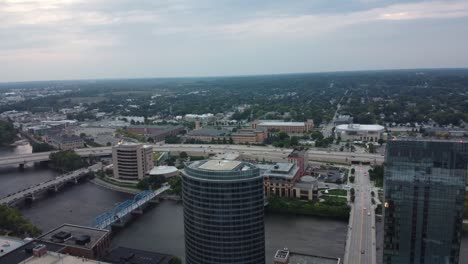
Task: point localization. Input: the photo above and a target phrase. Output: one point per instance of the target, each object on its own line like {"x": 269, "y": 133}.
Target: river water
{"x": 160, "y": 229}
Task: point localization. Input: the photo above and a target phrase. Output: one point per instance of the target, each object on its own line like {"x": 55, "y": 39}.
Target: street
{"x": 360, "y": 245}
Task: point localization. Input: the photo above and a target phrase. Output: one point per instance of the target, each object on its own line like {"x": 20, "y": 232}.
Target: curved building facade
{"x": 223, "y": 212}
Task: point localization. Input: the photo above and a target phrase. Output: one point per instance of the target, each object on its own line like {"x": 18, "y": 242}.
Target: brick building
{"x": 288, "y": 127}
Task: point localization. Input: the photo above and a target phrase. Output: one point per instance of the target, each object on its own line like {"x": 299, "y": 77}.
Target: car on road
{"x": 362, "y": 251}
{"x": 368, "y": 213}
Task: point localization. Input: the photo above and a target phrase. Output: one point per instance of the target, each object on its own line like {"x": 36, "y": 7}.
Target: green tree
{"x": 353, "y": 170}
{"x": 12, "y": 223}
{"x": 380, "y": 141}
{"x": 66, "y": 160}
{"x": 7, "y": 132}
{"x": 183, "y": 155}
{"x": 152, "y": 182}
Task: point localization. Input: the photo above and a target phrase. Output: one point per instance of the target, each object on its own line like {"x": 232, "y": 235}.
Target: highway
{"x": 360, "y": 244}
{"x": 11, "y": 198}
{"x": 252, "y": 152}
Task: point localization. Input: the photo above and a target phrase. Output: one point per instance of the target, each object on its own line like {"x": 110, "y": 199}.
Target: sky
{"x": 93, "y": 39}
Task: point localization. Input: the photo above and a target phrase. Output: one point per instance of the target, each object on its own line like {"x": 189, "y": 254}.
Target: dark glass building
{"x": 223, "y": 212}
{"x": 424, "y": 190}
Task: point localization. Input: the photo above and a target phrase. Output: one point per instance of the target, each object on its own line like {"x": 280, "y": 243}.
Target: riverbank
{"x": 331, "y": 207}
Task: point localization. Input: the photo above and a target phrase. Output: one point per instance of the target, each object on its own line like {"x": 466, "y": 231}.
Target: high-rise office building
{"x": 223, "y": 213}
{"x": 132, "y": 161}
{"x": 423, "y": 210}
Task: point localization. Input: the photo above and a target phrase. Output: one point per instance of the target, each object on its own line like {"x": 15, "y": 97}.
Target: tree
{"x": 282, "y": 135}
{"x": 66, "y": 160}
{"x": 231, "y": 141}
{"x": 152, "y": 182}
{"x": 353, "y": 170}
{"x": 380, "y": 141}
{"x": 351, "y": 179}
{"x": 294, "y": 141}
{"x": 183, "y": 155}
{"x": 82, "y": 135}
{"x": 108, "y": 144}
{"x": 7, "y": 132}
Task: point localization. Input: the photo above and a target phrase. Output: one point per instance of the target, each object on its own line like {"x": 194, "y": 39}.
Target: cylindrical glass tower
{"x": 223, "y": 213}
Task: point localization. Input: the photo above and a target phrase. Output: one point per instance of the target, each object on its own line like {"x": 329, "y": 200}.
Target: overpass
{"x": 123, "y": 210}
{"x": 22, "y": 159}
{"x": 32, "y": 192}
{"x": 253, "y": 152}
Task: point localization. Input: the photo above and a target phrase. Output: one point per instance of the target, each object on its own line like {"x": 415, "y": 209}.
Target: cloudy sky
{"x": 81, "y": 39}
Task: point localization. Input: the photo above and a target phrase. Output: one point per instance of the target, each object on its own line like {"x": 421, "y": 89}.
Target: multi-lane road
{"x": 253, "y": 152}
{"x": 360, "y": 244}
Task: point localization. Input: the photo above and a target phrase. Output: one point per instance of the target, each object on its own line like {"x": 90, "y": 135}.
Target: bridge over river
{"x": 33, "y": 191}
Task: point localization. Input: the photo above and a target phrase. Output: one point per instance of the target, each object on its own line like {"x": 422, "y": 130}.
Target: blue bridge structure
{"x": 126, "y": 208}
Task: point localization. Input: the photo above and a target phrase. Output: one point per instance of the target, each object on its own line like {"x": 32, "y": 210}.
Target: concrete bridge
{"x": 123, "y": 211}
{"x": 253, "y": 152}
{"x": 22, "y": 159}
{"x": 54, "y": 185}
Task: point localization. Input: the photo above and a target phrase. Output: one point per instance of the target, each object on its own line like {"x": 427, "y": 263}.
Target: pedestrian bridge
{"x": 127, "y": 207}
{"x": 33, "y": 191}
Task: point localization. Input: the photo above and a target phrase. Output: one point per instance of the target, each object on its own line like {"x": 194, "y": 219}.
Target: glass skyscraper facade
{"x": 424, "y": 187}
{"x": 223, "y": 212}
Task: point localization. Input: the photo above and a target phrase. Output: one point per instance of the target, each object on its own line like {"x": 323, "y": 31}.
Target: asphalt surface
{"x": 361, "y": 239}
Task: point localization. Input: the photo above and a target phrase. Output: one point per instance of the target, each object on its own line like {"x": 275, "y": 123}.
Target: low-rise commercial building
{"x": 64, "y": 141}
{"x": 166, "y": 171}
{"x": 288, "y": 127}
{"x": 368, "y": 133}
{"x": 207, "y": 134}
{"x": 257, "y": 135}
{"x": 157, "y": 132}
{"x": 132, "y": 161}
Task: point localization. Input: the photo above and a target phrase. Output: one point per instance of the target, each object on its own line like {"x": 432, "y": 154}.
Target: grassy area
{"x": 332, "y": 207}
{"x": 338, "y": 192}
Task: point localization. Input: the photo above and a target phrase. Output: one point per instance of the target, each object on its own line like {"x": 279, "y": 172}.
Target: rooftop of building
{"x": 226, "y": 156}
{"x": 73, "y": 235}
{"x": 359, "y": 127}
{"x": 278, "y": 123}
{"x": 279, "y": 170}
{"x": 160, "y": 170}
{"x": 207, "y": 132}
{"x": 220, "y": 165}
{"x": 123, "y": 255}
{"x": 8, "y": 244}
{"x": 53, "y": 257}
{"x": 24, "y": 252}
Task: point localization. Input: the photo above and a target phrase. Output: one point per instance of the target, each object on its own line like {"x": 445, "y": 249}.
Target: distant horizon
{"x": 82, "y": 39}
{"x": 232, "y": 76}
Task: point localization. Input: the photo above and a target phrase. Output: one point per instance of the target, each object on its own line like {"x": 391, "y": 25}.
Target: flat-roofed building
{"x": 257, "y": 135}
{"x": 132, "y": 161}
{"x": 207, "y": 134}
{"x": 288, "y": 127}
{"x": 370, "y": 133}
{"x": 87, "y": 242}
